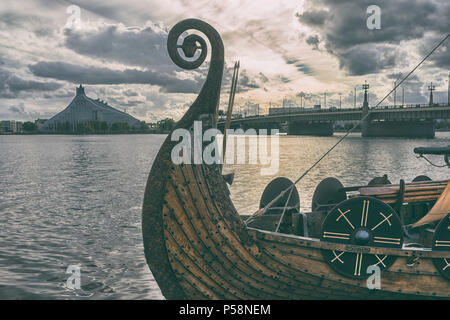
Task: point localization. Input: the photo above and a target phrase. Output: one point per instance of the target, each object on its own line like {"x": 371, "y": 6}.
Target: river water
{"x": 76, "y": 200}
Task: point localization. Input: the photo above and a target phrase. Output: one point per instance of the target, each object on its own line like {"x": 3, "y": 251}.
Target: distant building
{"x": 251, "y": 109}
{"x": 5, "y": 127}
{"x": 19, "y": 126}
{"x": 288, "y": 103}
{"x": 83, "y": 110}
{"x": 10, "y": 126}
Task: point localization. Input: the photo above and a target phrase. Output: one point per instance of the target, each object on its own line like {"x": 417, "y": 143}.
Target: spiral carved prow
{"x": 207, "y": 101}
{"x": 189, "y": 45}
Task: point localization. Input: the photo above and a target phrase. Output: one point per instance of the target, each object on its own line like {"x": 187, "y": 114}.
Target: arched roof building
{"x": 83, "y": 110}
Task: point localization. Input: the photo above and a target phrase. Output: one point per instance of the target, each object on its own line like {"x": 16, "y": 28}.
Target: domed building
{"x": 83, "y": 111}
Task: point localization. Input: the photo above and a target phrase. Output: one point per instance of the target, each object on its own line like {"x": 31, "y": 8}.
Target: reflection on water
{"x": 77, "y": 200}
{"x": 74, "y": 200}
{"x": 354, "y": 162}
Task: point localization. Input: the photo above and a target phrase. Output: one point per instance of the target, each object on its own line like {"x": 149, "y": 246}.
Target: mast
{"x": 230, "y": 106}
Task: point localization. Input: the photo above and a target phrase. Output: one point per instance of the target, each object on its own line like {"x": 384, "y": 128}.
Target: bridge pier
{"x": 414, "y": 128}
{"x": 301, "y": 128}
{"x": 407, "y": 129}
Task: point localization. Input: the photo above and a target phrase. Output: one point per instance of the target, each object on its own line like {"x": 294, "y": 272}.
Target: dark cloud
{"x": 141, "y": 49}
{"x": 130, "y": 93}
{"x": 12, "y": 85}
{"x": 43, "y": 32}
{"x": 399, "y": 76}
{"x": 19, "y": 111}
{"x": 373, "y": 58}
{"x": 314, "y": 18}
{"x": 300, "y": 66}
{"x": 98, "y": 75}
{"x": 245, "y": 83}
{"x": 441, "y": 57}
{"x": 304, "y": 68}
{"x": 394, "y": 76}
{"x": 12, "y": 19}
{"x": 144, "y": 47}
{"x": 313, "y": 41}
{"x": 17, "y": 20}
{"x": 342, "y": 28}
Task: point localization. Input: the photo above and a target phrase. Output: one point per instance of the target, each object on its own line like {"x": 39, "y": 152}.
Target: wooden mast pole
{"x": 230, "y": 106}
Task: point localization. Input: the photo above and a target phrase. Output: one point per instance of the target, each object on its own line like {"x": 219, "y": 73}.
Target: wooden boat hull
{"x": 204, "y": 251}
{"x": 198, "y": 247}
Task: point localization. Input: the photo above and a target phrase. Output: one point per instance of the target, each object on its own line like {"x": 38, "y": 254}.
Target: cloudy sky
{"x": 288, "y": 49}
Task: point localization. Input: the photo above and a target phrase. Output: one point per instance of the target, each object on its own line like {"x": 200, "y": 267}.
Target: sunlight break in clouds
{"x": 287, "y": 49}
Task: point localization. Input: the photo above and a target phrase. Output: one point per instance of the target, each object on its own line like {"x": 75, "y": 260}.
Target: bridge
{"x": 401, "y": 121}
{"x": 441, "y": 111}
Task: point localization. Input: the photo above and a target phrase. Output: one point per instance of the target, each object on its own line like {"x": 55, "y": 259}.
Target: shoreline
{"x": 78, "y": 134}
{"x": 132, "y": 133}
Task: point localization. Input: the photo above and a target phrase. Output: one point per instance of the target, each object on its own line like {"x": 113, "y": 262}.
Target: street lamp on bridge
{"x": 431, "y": 88}
{"x": 366, "y": 98}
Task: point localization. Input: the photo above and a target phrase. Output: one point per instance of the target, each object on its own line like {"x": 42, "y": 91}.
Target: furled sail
{"x": 440, "y": 209}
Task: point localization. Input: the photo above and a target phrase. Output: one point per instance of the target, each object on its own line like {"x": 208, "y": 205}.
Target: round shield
{"x": 362, "y": 221}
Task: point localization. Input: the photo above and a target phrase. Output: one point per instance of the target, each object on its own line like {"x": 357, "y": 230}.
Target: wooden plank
{"x": 423, "y": 275}
{"x": 412, "y": 194}
{"x": 370, "y": 191}
{"x": 417, "y": 183}
{"x": 414, "y": 199}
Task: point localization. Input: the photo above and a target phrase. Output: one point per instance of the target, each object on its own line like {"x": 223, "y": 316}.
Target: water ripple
{"x": 69, "y": 200}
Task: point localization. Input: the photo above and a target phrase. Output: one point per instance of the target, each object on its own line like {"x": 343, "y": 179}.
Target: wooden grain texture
{"x": 214, "y": 256}
{"x": 428, "y": 191}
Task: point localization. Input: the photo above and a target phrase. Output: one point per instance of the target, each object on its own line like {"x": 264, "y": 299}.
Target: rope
{"x": 284, "y": 210}
{"x": 427, "y": 160}
{"x": 263, "y": 210}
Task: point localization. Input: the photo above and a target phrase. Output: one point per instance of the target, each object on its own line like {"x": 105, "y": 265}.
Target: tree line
{"x": 102, "y": 127}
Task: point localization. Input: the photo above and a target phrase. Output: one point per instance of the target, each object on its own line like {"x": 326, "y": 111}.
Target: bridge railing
{"x": 425, "y": 105}
{"x": 334, "y": 109}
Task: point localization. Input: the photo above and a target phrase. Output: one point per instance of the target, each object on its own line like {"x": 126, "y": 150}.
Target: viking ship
{"x": 199, "y": 247}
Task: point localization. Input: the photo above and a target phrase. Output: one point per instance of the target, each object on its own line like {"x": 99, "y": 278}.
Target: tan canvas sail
{"x": 440, "y": 209}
